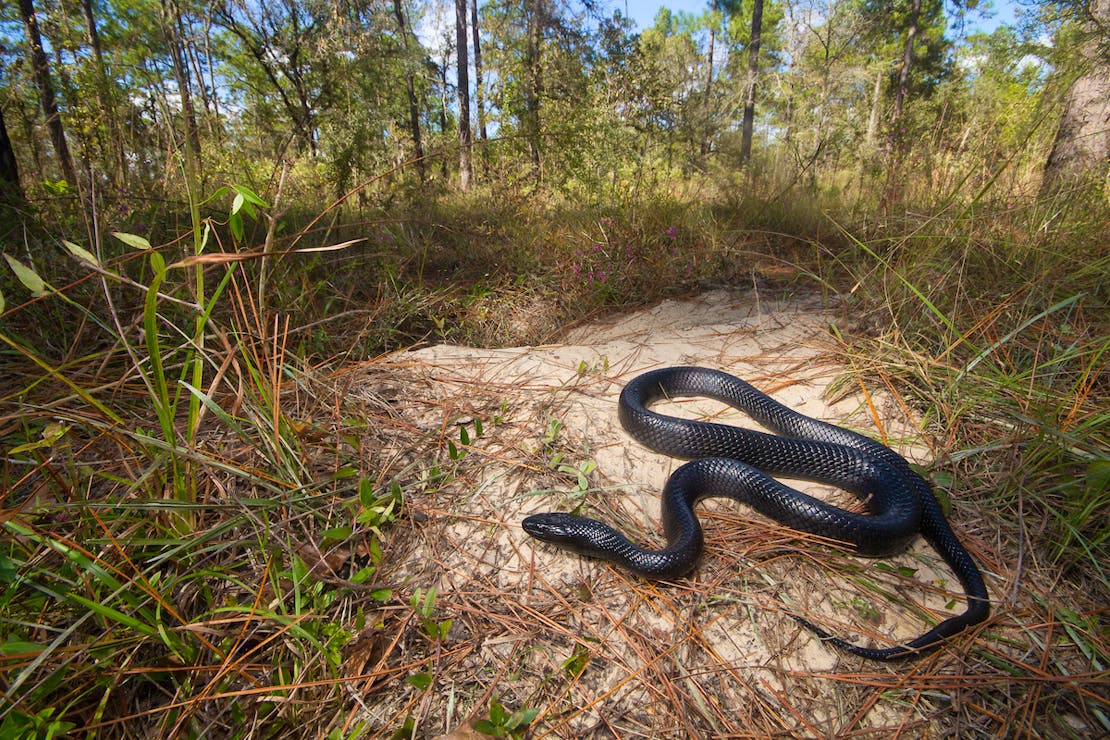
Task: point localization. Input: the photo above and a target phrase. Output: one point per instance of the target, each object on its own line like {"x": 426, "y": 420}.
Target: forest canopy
{"x": 567, "y": 96}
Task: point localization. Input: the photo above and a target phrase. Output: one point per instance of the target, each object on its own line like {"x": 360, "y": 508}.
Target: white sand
{"x": 472, "y": 541}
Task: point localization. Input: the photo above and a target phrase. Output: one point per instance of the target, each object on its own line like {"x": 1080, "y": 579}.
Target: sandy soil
{"x": 712, "y": 654}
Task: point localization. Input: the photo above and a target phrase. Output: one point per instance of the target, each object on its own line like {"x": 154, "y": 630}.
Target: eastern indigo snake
{"x": 737, "y": 463}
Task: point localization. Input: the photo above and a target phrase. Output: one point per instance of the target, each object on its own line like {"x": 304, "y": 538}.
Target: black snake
{"x": 737, "y": 463}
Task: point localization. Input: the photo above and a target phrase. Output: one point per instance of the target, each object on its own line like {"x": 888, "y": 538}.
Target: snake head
{"x": 598, "y": 540}
{"x": 585, "y": 536}
{"x": 556, "y": 528}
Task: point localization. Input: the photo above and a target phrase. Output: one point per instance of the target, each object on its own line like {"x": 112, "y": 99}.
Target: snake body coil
{"x": 737, "y": 463}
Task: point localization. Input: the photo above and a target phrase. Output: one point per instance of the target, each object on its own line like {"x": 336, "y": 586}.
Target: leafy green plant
{"x": 577, "y": 662}
{"x": 458, "y": 452}
{"x": 20, "y": 726}
{"x": 864, "y": 608}
{"x": 404, "y": 732}
{"x": 551, "y": 434}
{"x": 420, "y": 681}
{"x": 423, "y": 603}
{"x": 155, "y": 362}
{"x": 581, "y": 473}
{"x": 104, "y": 558}
{"x": 502, "y": 723}
{"x": 378, "y": 509}
{"x": 599, "y": 367}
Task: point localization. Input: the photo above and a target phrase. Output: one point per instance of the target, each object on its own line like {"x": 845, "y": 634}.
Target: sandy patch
{"x": 715, "y": 649}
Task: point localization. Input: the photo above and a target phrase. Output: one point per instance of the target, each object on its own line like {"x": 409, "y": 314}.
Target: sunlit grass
{"x": 187, "y": 550}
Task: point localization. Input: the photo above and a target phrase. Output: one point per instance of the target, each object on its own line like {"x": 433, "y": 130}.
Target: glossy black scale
{"x": 737, "y": 463}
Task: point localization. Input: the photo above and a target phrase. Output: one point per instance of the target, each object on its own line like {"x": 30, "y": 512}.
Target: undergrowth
{"x": 1003, "y": 345}
{"x": 194, "y": 518}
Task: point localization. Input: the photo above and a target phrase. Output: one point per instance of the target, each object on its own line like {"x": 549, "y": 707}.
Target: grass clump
{"x": 1004, "y": 346}
{"x": 996, "y": 334}
{"x": 182, "y": 519}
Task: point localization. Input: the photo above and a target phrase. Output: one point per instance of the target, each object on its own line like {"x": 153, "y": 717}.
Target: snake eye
{"x": 546, "y": 527}
{"x": 568, "y": 530}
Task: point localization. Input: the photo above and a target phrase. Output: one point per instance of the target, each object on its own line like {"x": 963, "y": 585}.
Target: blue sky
{"x": 643, "y": 11}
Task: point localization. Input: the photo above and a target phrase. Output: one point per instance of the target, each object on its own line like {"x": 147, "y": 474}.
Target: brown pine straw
{"x": 715, "y": 654}
{"x": 616, "y": 600}
{"x": 602, "y": 618}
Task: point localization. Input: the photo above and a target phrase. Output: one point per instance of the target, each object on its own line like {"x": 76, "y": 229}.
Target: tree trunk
{"x": 753, "y": 72}
{"x": 907, "y": 66}
{"x": 208, "y": 21}
{"x": 173, "y": 37}
{"x": 478, "y": 92}
{"x": 443, "y": 109}
{"x": 462, "y": 65}
{"x": 708, "y": 123}
{"x": 876, "y": 105}
{"x": 1082, "y": 144}
{"x": 91, "y": 33}
{"x": 897, "y": 143}
{"x": 192, "y": 54}
{"x": 410, "y": 89}
{"x": 533, "y": 84}
{"x": 10, "y": 190}
{"x": 40, "y": 69}
{"x": 104, "y": 96}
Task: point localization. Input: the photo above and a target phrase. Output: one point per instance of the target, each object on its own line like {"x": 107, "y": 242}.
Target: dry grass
{"x": 269, "y": 569}
{"x": 600, "y": 653}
